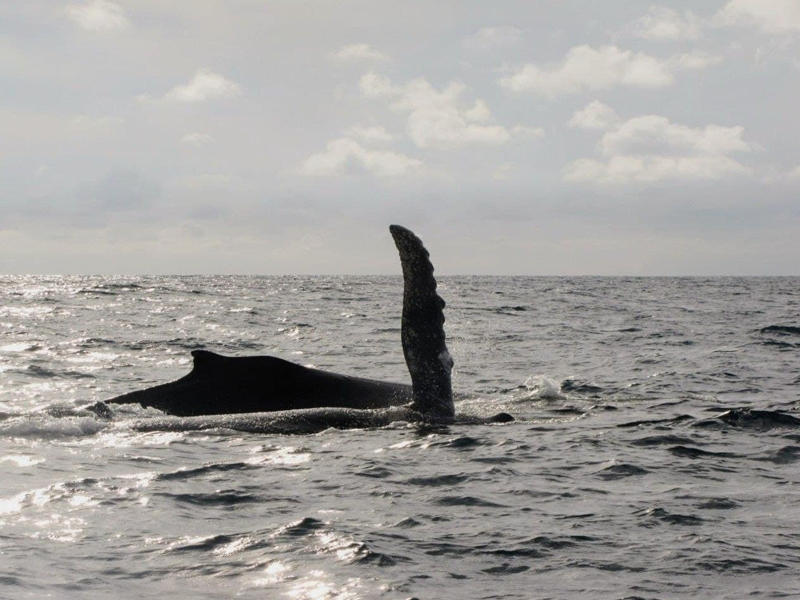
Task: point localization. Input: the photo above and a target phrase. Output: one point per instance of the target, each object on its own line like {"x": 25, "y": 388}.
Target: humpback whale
{"x": 227, "y": 385}
{"x": 270, "y": 395}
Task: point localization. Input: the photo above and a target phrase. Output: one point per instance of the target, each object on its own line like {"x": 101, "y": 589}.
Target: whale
{"x": 230, "y": 385}
{"x": 271, "y": 395}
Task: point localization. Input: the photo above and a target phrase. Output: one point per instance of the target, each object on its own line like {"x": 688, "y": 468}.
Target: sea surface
{"x": 633, "y": 470}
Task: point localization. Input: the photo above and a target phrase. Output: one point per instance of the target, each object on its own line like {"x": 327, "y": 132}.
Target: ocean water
{"x": 633, "y": 470}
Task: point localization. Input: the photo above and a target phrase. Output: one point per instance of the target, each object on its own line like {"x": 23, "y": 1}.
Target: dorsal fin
{"x": 205, "y": 360}
{"x": 427, "y": 358}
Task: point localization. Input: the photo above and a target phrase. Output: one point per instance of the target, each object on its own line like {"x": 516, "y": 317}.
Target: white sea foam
{"x": 22, "y": 460}
{"x": 42, "y": 426}
{"x": 541, "y": 387}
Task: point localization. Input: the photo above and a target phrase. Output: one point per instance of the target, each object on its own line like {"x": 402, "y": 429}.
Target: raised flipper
{"x": 428, "y": 360}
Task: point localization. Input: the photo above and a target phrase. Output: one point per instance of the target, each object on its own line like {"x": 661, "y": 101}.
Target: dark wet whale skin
{"x": 424, "y": 347}
{"x": 230, "y": 385}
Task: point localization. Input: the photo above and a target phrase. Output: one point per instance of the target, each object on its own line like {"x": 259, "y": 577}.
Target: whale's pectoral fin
{"x": 424, "y": 346}
{"x": 205, "y": 360}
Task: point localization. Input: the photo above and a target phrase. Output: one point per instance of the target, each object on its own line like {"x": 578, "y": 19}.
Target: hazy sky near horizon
{"x": 284, "y": 136}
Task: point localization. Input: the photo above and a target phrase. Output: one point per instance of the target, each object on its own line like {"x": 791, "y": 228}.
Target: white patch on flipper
{"x": 446, "y": 360}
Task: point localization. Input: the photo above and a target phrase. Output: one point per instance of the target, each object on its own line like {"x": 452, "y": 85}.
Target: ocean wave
{"x": 223, "y": 498}
{"x": 692, "y": 452}
{"x": 41, "y": 372}
{"x": 43, "y": 426}
{"x": 438, "y": 481}
{"x": 759, "y": 420}
{"x": 620, "y": 471}
{"x": 783, "y": 345}
{"x": 205, "y": 470}
{"x": 466, "y": 501}
{"x": 303, "y": 527}
{"x": 781, "y": 329}
{"x": 718, "y": 504}
{"x": 664, "y": 516}
{"x": 784, "y": 456}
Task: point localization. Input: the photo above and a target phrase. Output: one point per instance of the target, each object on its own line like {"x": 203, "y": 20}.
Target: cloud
{"x": 121, "y": 190}
{"x": 437, "y": 118}
{"x": 494, "y": 37}
{"x": 205, "y": 85}
{"x": 502, "y": 172}
{"x": 479, "y": 113}
{"x": 374, "y": 133}
{"x": 345, "y": 153}
{"x": 524, "y": 131}
{"x": 594, "y": 115}
{"x": 650, "y": 148}
{"x": 653, "y": 132}
{"x": 773, "y": 16}
{"x": 587, "y": 68}
{"x": 355, "y": 53}
{"x": 663, "y": 23}
{"x": 696, "y": 60}
{"x": 775, "y": 176}
{"x": 204, "y": 181}
{"x": 98, "y": 15}
{"x": 89, "y": 124}
{"x": 197, "y": 139}
{"x": 373, "y": 85}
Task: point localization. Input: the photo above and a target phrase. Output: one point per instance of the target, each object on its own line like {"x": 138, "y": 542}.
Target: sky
{"x": 548, "y": 137}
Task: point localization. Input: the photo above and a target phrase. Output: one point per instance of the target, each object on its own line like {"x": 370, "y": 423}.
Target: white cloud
{"x": 652, "y": 132}
{"x": 88, "y": 124}
{"x": 197, "y": 139}
{"x": 437, "y": 118}
{"x": 648, "y": 169}
{"x": 479, "y": 113}
{"x": 650, "y": 148}
{"x": 594, "y": 115}
{"x": 664, "y": 23}
{"x": 770, "y": 16}
{"x": 345, "y": 153}
{"x": 121, "y": 190}
{"x": 777, "y": 176}
{"x": 524, "y": 131}
{"x": 204, "y": 181}
{"x": 694, "y": 61}
{"x": 504, "y": 171}
{"x": 357, "y": 53}
{"x": 205, "y": 85}
{"x": 587, "y": 68}
{"x": 98, "y": 15}
{"x": 373, "y": 85}
{"x": 373, "y": 133}
{"x": 495, "y": 37}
